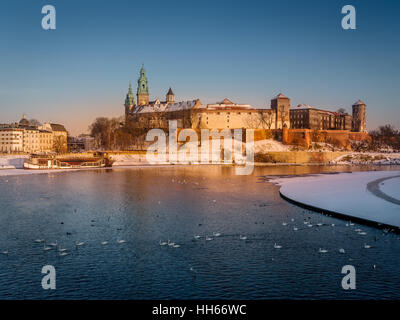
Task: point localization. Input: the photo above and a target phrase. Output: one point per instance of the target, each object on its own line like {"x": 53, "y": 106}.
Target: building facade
{"x": 25, "y": 138}
{"x": 229, "y": 115}
{"x": 307, "y": 117}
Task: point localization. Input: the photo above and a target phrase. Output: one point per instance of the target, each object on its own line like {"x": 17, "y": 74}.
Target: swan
{"x": 121, "y": 241}
{"x": 39, "y": 240}
{"x": 54, "y": 244}
{"x": 163, "y": 243}
{"x": 171, "y": 244}
{"x": 351, "y": 224}
{"x": 309, "y": 225}
{"x": 5, "y": 252}
{"x": 277, "y": 246}
{"x": 176, "y": 246}
{"x": 104, "y": 243}
{"x": 292, "y": 220}
{"x": 332, "y": 224}
{"x": 362, "y": 233}
{"x": 208, "y": 238}
{"x": 242, "y": 237}
{"x": 78, "y": 244}
{"x": 367, "y": 246}
{"x": 305, "y": 222}
{"x": 319, "y": 224}
{"x": 322, "y": 250}
{"x": 295, "y": 229}
{"x": 197, "y": 237}
{"x": 61, "y": 249}
{"x": 358, "y": 230}
{"x": 46, "y": 248}
{"x": 216, "y": 234}
{"x": 62, "y": 254}
{"x": 341, "y": 250}
{"x": 284, "y": 223}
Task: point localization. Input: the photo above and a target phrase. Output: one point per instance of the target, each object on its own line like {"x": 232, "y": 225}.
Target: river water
{"x": 145, "y": 205}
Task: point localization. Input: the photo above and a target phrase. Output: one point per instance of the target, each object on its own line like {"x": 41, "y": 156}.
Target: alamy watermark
{"x": 49, "y": 280}
{"x": 165, "y": 150}
{"x": 349, "y": 20}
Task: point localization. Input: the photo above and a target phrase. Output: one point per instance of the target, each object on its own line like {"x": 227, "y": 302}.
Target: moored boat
{"x": 98, "y": 160}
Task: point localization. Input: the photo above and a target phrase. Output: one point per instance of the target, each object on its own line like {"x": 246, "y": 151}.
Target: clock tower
{"x": 142, "y": 89}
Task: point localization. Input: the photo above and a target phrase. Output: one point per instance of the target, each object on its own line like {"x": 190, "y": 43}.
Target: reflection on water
{"x": 145, "y": 205}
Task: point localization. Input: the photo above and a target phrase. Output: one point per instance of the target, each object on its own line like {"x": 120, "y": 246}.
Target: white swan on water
{"x": 39, "y": 240}
{"x": 61, "y": 249}
{"x": 171, "y": 244}
{"x": 5, "y": 252}
{"x": 367, "y": 246}
{"x": 121, "y": 241}
{"x": 341, "y": 250}
{"x": 208, "y": 238}
{"x": 277, "y": 246}
{"x": 46, "y": 248}
{"x": 322, "y": 250}
{"x": 163, "y": 243}
{"x": 242, "y": 237}
{"x": 216, "y": 234}
{"x": 197, "y": 237}
{"x": 295, "y": 229}
{"x": 54, "y": 244}
{"x": 104, "y": 243}
{"x": 78, "y": 244}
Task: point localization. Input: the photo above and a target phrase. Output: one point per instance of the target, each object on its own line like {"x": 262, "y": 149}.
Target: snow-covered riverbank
{"x": 368, "y": 158}
{"x": 362, "y": 195}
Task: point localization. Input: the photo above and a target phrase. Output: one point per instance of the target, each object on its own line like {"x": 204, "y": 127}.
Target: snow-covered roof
{"x": 304, "y": 106}
{"x": 165, "y": 107}
{"x": 358, "y": 103}
{"x": 280, "y": 96}
{"x": 226, "y": 104}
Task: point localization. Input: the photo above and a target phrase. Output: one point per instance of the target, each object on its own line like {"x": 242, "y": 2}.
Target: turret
{"x": 281, "y": 105}
{"x": 170, "y": 96}
{"x": 359, "y": 117}
{"x": 129, "y": 100}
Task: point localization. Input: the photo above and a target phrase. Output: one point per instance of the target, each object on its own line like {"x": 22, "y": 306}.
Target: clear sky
{"x": 247, "y": 51}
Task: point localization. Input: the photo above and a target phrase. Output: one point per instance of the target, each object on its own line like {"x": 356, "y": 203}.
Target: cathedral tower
{"x": 359, "y": 117}
{"x": 170, "y": 96}
{"x": 129, "y": 100}
{"x": 142, "y": 89}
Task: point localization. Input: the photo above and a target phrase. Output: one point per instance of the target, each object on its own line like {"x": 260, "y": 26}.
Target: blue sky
{"x": 245, "y": 50}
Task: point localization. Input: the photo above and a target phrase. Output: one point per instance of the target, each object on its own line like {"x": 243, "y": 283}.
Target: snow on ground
{"x": 369, "y": 158}
{"x": 129, "y": 159}
{"x": 391, "y": 187}
{"x": 268, "y": 145}
{"x": 347, "y": 193}
{"x": 12, "y": 162}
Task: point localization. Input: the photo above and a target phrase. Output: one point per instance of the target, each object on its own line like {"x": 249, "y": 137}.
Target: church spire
{"x": 143, "y": 88}
{"x": 130, "y": 98}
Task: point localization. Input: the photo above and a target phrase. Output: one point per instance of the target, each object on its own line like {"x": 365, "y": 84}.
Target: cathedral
{"x": 156, "y": 114}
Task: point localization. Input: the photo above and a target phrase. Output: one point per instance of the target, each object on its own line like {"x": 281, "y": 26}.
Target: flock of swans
{"x": 276, "y": 246}
{"x": 64, "y": 252}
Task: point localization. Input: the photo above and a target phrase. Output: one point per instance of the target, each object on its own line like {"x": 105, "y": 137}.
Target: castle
{"x": 229, "y": 115}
